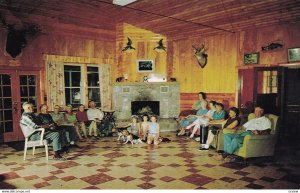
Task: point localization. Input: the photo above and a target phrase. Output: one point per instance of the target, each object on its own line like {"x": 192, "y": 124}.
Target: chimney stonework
{"x": 167, "y": 93}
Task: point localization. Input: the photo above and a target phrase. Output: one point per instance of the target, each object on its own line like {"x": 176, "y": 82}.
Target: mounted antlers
{"x": 200, "y": 55}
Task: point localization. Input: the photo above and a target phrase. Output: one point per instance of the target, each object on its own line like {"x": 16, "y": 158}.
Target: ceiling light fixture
{"x": 123, "y": 2}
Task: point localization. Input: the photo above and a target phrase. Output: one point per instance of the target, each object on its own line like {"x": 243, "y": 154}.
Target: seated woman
{"x": 218, "y": 114}
{"x": 70, "y": 119}
{"x": 200, "y": 120}
{"x": 82, "y": 118}
{"x": 231, "y": 123}
{"x": 200, "y": 106}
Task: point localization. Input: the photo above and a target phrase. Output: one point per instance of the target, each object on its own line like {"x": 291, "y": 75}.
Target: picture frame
{"x": 293, "y": 54}
{"x": 251, "y": 58}
{"x": 145, "y": 65}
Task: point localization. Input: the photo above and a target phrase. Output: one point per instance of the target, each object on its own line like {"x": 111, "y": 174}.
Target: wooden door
{"x": 16, "y": 87}
{"x": 267, "y": 89}
{"x": 245, "y": 99}
{"x": 291, "y": 106}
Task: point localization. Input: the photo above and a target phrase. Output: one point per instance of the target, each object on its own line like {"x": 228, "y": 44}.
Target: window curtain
{"x": 105, "y": 85}
{"x": 55, "y": 84}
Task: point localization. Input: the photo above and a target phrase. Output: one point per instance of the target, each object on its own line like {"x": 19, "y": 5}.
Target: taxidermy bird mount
{"x": 128, "y": 46}
{"x": 160, "y": 46}
{"x": 200, "y": 55}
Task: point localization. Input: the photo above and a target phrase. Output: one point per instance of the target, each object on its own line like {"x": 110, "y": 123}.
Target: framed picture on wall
{"x": 293, "y": 54}
{"x": 251, "y": 58}
{"x": 145, "y": 65}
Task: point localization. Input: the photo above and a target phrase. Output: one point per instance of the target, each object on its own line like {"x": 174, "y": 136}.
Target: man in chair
{"x": 260, "y": 125}
{"x": 30, "y": 120}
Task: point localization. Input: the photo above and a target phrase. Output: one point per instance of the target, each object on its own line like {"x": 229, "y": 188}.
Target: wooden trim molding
{"x": 188, "y": 99}
{"x": 75, "y": 59}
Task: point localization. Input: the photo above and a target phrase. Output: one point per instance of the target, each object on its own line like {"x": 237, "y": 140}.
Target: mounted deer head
{"x": 200, "y": 55}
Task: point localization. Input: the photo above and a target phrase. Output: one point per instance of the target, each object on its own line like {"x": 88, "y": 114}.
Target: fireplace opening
{"x": 145, "y": 107}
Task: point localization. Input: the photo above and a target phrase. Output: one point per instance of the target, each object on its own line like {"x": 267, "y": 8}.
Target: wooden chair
{"x": 27, "y": 131}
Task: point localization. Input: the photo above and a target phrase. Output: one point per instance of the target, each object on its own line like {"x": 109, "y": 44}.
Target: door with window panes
{"x": 16, "y": 87}
{"x": 81, "y": 84}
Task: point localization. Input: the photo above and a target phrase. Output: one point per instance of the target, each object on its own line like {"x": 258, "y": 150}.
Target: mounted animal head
{"x": 17, "y": 37}
{"x": 200, "y": 55}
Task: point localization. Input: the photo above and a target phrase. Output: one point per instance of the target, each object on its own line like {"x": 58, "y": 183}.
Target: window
{"x": 73, "y": 85}
{"x": 6, "y": 113}
{"x": 270, "y": 82}
{"x": 28, "y": 90}
{"x": 93, "y": 85}
{"x": 75, "y": 88}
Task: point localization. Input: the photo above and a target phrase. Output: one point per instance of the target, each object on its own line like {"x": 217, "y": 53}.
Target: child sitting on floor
{"x": 153, "y": 134}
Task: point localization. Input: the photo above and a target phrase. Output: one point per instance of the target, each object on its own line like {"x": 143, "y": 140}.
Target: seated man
{"x": 29, "y": 119}
{"x": 95, "y": 116}
{"x": 257, "y": 126}
{"x": 59, "y": 119}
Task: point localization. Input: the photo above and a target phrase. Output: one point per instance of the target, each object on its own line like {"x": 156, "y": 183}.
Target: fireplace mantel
{"x": 167, "y": 93}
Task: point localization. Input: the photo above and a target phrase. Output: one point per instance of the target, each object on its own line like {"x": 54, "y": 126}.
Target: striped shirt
{"x": 30, "y": 120}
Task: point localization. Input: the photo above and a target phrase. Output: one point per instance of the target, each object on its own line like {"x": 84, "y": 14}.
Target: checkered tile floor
{"x": 107, "y": 164}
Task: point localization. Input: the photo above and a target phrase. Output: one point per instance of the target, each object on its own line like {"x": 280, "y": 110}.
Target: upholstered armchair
{"x": 254, "y": 145}
{"x": 260, "y": 145}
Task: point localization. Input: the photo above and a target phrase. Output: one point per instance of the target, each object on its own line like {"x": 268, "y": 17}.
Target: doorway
{"x": 291, "y": 105}
{"x": 16, "y": 87}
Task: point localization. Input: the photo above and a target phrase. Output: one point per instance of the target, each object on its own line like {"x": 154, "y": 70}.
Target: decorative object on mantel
{"x": 200, "y": 55}
{"x": 120, "y": 79}
{"x": 126, "y": 76}
{"x": 128, "y": 47}
{"x": 293, "y": 54}
{"x": 172, "y": 79}
{"x": 251, "y": 58}
{"x": 145, "y": 78}
{"x": 273, "y": 46}
{"x": 160, "y": 47}
{"x": 144, "y": 65}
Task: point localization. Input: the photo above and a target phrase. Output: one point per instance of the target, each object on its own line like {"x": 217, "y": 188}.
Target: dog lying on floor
{"x": 133, "y": 139}
{"x": 121, "y": 136}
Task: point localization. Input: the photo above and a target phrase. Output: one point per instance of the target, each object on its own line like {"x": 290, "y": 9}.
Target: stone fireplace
{"x": 164, "y": 94}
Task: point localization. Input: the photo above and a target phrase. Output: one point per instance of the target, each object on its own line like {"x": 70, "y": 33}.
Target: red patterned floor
{"x": 107, "y": 164}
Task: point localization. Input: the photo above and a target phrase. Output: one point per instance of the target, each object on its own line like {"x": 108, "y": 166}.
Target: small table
{"x": 220, "y": 125}
{"x": 109, "y": 115}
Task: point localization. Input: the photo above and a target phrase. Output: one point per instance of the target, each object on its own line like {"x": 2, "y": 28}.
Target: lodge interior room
{"x": 134, "y": 57}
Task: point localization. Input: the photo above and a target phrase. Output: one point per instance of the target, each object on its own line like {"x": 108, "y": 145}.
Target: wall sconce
{"x": 128, "y": 48}
{"x": 160, "y": 47}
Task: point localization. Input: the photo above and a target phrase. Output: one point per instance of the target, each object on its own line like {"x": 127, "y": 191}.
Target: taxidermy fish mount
{"x": 272, "y": 46}
{"x": 200, "y": 55}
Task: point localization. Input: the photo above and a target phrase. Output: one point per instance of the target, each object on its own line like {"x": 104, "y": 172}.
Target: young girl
{"x": 153, "y": 134}
{"x": 144, "y": 128}
{"x": 134, "y": 126}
